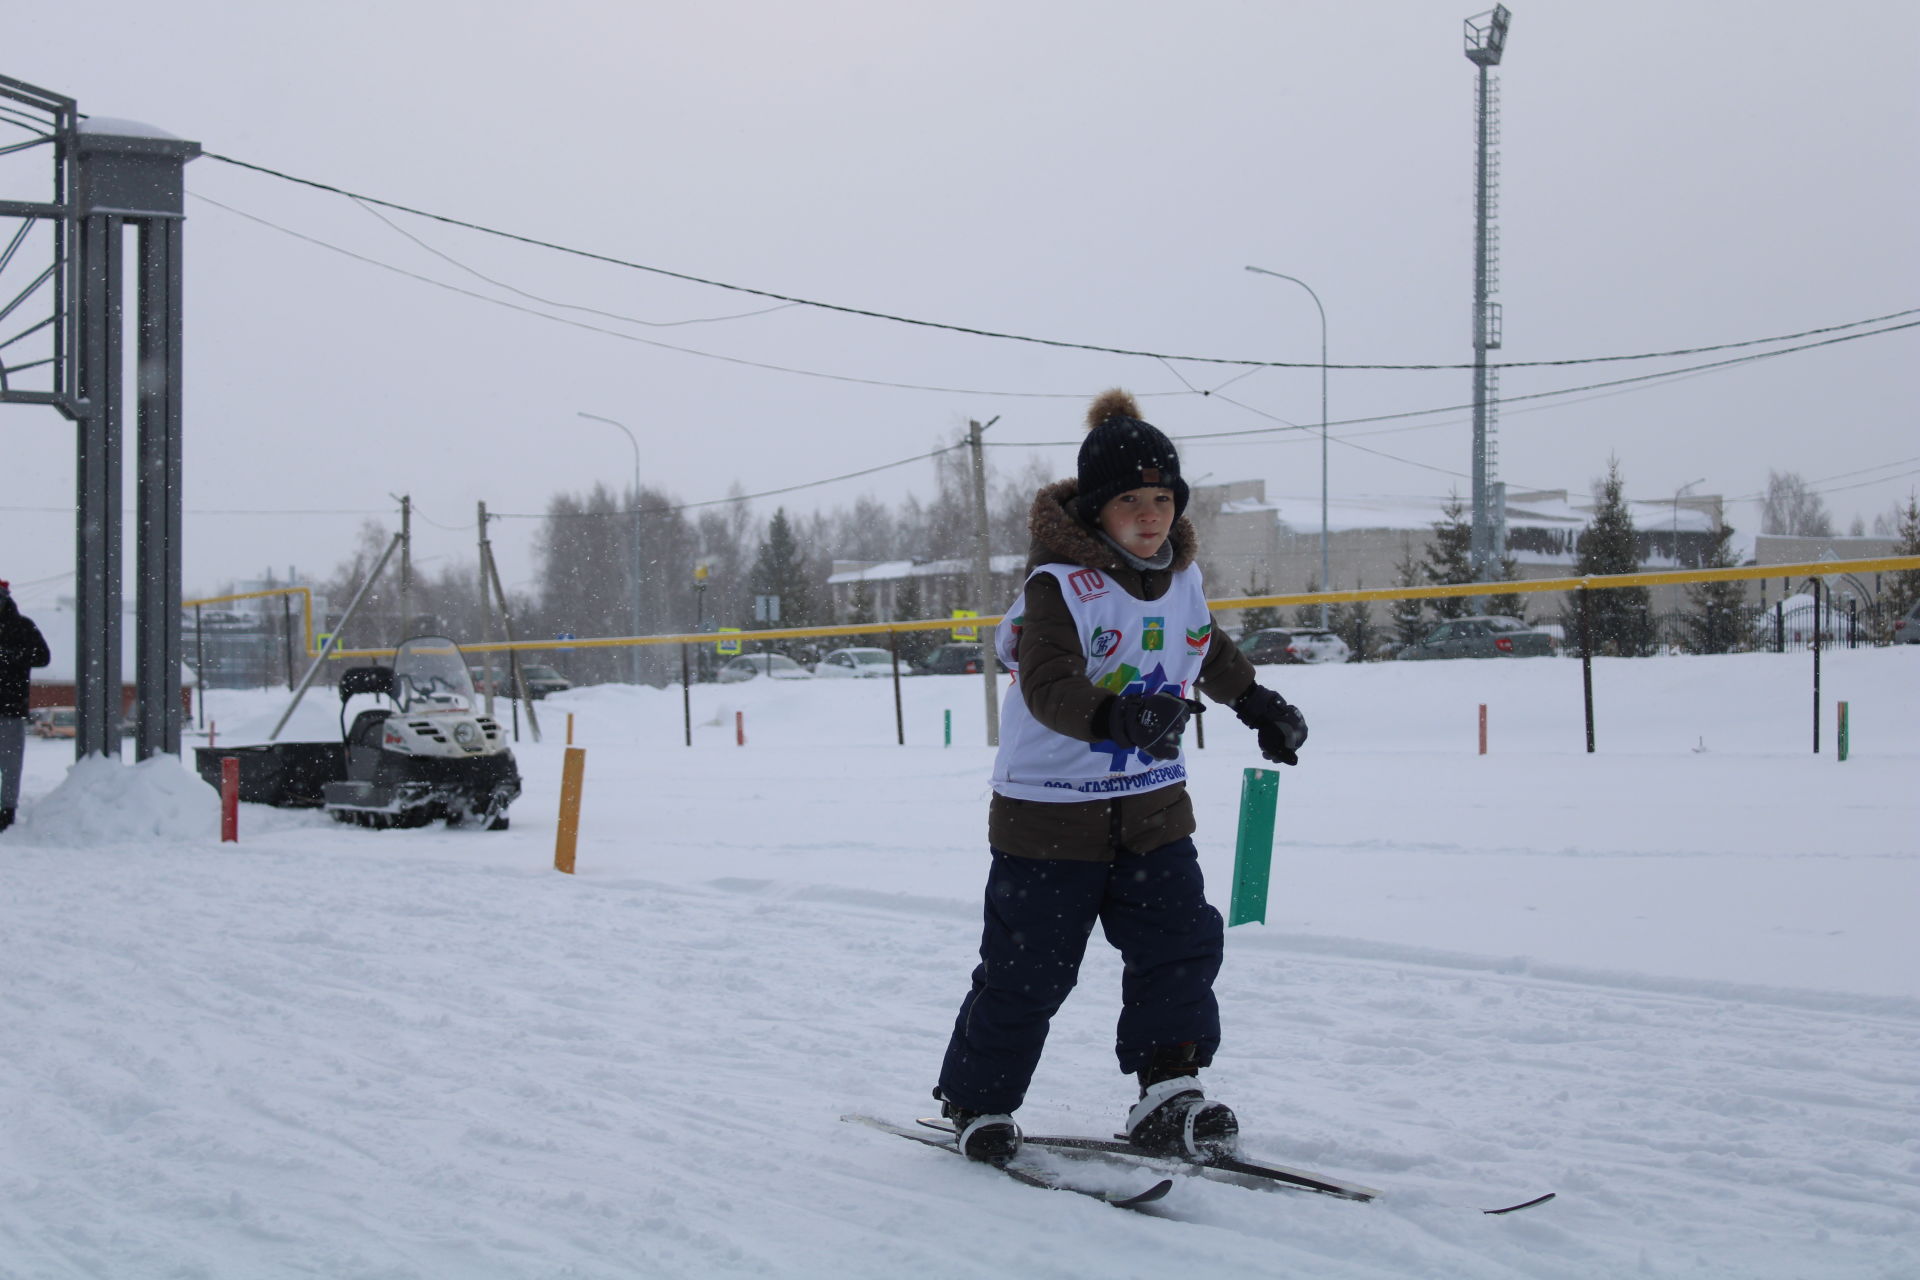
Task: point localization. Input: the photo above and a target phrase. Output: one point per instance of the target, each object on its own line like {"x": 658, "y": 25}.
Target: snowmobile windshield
{"x": 430, "y": 674}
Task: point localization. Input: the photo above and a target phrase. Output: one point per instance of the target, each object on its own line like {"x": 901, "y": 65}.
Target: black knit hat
{"x": 1121, "y": 452}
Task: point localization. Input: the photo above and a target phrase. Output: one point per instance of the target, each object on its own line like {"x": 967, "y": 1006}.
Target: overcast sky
{"x": 1673, "y": 175}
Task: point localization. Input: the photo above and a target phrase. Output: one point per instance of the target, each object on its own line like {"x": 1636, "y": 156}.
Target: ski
{"x": 1220, "y": 1168}
{"x": 1021, "y": 1172}
{"x": 1233, "y": 1170}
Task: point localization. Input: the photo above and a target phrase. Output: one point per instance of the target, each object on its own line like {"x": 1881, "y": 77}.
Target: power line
{"x": 995, "y": 334}
{"x": 552, "y": 302}
{"x": 626, "y": 337}
{"x": 1457, "y": 408}
{"x": 718, "y": 502}
{"x": 1378, "y": 453}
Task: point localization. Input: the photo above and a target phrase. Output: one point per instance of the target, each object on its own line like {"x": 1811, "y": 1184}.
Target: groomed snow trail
{"x": 261, "y": 1064}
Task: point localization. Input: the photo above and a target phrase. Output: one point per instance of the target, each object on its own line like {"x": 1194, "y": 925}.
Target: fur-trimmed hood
{"x": 1060, "y": 537}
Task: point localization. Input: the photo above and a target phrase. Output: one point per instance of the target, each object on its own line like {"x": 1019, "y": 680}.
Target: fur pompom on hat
{"x": 1123, "y": 452}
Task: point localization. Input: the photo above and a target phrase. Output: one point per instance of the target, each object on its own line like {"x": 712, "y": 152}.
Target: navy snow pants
{"x": 1039, "y": 915}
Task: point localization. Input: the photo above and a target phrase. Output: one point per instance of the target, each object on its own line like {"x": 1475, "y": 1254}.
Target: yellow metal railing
{"x": 306, "y": 609}
{"x": 1592, "y": 582}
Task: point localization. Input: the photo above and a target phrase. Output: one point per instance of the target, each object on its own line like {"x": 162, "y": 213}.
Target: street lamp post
{"x": 634, "y": 570}
{"x": 1326, "y": 578}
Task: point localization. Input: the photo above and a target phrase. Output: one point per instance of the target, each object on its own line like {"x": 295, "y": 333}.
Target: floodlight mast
{"x": 1486, "y": 42}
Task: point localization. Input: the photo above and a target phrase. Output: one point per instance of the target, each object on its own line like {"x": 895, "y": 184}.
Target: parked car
{"x": 56, "y": 722}
{"x": 1907, "y": 630}
{"x": 539, "y": 678}
{"x": 856, "y": 664}
{"x": 1294, "y": 644}
{"x": 1269, "y": 646}
{"x": 750, "y": 666}
{"x": 961, "y": 658}
{"x": 1491, "y": 636}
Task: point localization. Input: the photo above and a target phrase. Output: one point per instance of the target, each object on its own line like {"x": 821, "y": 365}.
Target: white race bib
{"x": 1132, "y": 647}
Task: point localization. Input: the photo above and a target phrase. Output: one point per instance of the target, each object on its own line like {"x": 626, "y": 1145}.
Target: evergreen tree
{"x": 1449, "y": 559}
{"x": 1902, "y": 589}
{"x": 860, "y": 603}
{"x": 1718, "y": 621}
{"x": 780, "y": 569}
{"x": 1307, "y": 616}
{"x": 1261, "y": 617}
{"x": 1619, "y": 620}
{"x": 1511, "y": 604}
{"x": 1353, "y": 622}
{"x": 1409, "y": 616}
{"x": 914, "y": 645}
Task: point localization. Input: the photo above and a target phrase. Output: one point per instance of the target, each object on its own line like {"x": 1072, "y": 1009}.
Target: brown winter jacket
{"x": 1053, "y": 681}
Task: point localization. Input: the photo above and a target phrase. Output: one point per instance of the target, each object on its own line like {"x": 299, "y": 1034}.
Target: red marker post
{"x": 230, "y": 800}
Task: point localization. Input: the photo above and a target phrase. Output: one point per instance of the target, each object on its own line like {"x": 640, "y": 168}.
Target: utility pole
{"x": 492, "y": 570}
{"x": 486, "y": 611}
{"x": 983, "y": 578}
{"x": 1486, "y": 37}
{"x": 406, "y": 566}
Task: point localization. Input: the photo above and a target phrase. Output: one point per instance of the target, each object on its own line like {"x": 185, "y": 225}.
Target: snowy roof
{"x": 1550, "y": 509}
{"x": 108, "y": 126}
{"x": 889, "y": 570}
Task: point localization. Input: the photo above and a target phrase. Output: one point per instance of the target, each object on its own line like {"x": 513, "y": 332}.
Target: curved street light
{"x": 634, "y": 569}
{"x": 1326, "y": 575}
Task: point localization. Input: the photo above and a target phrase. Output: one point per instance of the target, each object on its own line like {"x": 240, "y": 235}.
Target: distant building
{"x": 942, "y": 586}
{"x": 1783, "y": 548}
{"x": 1252, "y": 545}
{"x": 1255, "y": 545}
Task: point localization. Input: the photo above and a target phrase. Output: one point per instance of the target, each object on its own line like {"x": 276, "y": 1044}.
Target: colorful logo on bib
{"x": 1153, "y": 634}
{"x": 1105, "y": 641}
{"x": 1126, "y": 682}
{"x": 1197, "y": 639}
{"x": 1087, "y": 584}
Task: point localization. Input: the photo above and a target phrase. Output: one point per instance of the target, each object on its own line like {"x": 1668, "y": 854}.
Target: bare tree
{"x": 1792, "y": 507}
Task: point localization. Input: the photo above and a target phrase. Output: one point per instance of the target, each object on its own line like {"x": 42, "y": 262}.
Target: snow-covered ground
{"x": 1675, "y": 981}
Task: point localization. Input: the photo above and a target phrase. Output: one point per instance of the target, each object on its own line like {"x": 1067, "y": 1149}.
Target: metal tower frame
{"x": 107, "y": 176}
{"x": 1486, "y": 41}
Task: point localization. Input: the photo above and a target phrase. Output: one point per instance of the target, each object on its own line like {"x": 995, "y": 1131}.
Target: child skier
{"x": 1090, "y": 818}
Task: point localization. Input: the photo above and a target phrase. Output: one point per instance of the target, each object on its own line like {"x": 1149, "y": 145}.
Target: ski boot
{"x": 1174, "y": 1116}
{"x": 984, "y": 1136}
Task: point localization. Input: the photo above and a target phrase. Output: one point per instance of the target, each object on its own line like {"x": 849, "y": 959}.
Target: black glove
{"x": 1151, "y": 722}
{"x": 1281, "y": 727}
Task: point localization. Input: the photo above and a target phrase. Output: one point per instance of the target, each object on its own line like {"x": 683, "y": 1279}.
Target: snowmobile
{"x": 431, "y": 754}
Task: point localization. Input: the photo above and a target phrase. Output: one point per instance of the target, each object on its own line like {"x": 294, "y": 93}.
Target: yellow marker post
{"x": 572, "y": 775}
{"x": 569, "y": 728}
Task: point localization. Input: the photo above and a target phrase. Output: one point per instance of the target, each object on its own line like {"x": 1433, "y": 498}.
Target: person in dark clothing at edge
{"x": 1090, "y": 819}
{"x": 22, "y": 648}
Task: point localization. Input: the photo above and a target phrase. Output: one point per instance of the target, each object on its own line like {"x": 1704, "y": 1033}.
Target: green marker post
{"x": 947, "y": 740}
{"x": 1843, "y": 731}
{"x": 1253, "y": 849}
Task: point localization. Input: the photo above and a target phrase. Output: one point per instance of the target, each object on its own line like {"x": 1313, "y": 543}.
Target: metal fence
{"x": 1776, "y": 628}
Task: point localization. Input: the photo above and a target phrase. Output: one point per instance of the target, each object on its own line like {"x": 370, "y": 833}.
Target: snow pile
{"x": 102, "y": 802}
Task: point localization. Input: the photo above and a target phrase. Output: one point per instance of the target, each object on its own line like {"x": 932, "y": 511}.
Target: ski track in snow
{"x": 331, "y": 1052}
